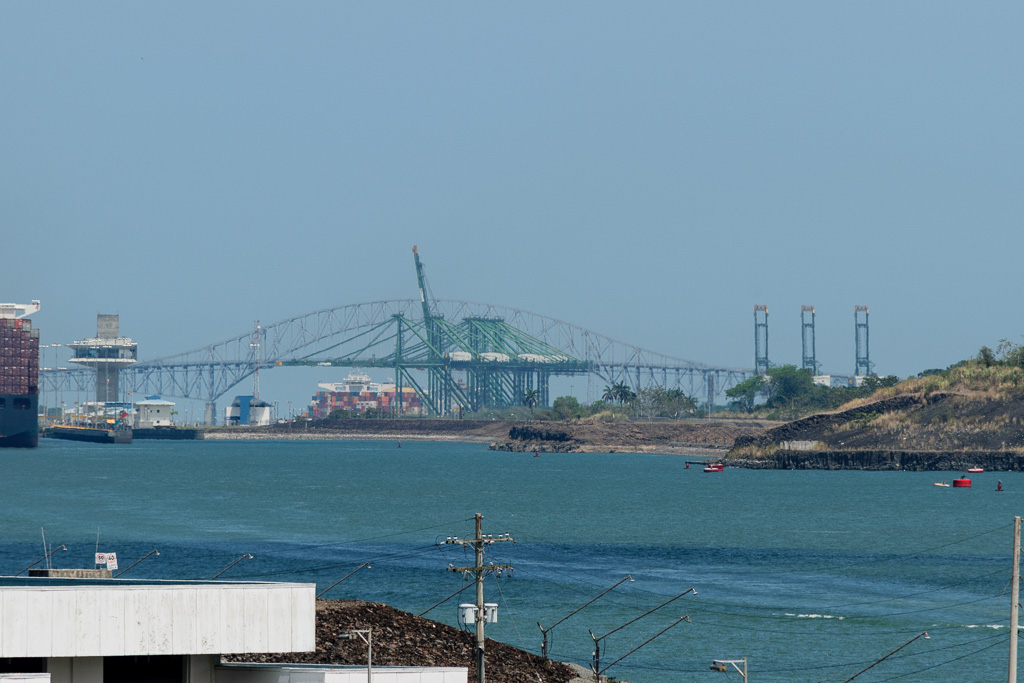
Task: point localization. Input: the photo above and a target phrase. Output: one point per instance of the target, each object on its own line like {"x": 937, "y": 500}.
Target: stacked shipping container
{"x": 326, "y": 402}
{"x": 19, "y": 357}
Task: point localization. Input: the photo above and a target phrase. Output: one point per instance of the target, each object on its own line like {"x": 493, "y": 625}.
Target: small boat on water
{"x": 962, "y": 483}
{"x": 975, "y": 470}
{"x": 715, "y": 467}
{"x": 941, "y": 483}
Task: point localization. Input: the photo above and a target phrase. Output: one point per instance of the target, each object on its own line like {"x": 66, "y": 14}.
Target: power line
{"x": 948, "y": 661}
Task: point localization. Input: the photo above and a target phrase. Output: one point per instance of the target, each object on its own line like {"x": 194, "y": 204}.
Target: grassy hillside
{"x": 970, "y": 407}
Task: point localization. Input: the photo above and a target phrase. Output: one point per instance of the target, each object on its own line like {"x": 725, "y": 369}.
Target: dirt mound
{"x": 404, "y": 639}
{"x": 596, "y": 436}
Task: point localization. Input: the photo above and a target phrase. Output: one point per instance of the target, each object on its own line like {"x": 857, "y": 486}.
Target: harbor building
{"x": 153, "y": 412}
{"x": 82, "y": 630}
{"x": 248, "y": 410}
{"x": 107, "y": 352}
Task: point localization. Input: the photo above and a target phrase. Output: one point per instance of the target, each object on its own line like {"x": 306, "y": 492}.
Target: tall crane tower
{"x": 810, "y": 361}
{"x": 761, "y": 363}
{"x": 860, "y": 323}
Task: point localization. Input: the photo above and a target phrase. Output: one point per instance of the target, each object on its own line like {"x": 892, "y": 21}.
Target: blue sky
{"x": 650, "y": 171}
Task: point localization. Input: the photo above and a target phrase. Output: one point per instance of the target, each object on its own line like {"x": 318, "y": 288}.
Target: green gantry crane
{"x": 500, "y": 364}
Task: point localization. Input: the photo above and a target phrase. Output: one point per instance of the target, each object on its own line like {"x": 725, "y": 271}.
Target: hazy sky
{"x": 650, "y": 171}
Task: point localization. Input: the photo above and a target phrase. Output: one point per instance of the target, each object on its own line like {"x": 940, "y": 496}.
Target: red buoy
{"x": 962, "y": 483}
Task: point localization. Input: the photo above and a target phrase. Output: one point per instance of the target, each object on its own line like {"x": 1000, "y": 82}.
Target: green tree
{"x": 744, "y": 394}
{"x": 875, "y": 382}
{"x": 657, "y": 401}
{"x": 623, "y": 394}
{"x": 566, "y": 407}
{"x": 1010, "y": 353}
{"x": 986, "y": 356}
{"x": 788, "y": 384}
{"x": 676, "y": 403}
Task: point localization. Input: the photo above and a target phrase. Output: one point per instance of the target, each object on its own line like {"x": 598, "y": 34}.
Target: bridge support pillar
{"x": 210, "y": 416}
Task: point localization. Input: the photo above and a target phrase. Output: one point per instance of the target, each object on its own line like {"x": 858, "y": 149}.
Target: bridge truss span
{"x": 384, "y": 334}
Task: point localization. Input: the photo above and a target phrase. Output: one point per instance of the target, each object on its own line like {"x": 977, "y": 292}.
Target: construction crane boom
{"x": 423, "y": 285}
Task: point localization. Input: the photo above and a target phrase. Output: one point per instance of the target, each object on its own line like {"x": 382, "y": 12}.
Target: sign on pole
{"x": 111, "y": 561}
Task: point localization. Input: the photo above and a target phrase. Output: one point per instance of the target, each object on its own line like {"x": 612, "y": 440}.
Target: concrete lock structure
{"x": 115, "y": 631}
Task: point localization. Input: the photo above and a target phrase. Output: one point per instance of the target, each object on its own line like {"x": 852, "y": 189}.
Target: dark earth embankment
{"x": 924, "y": 461}
{"x": 938, "y": 431}
{"x": 404, "y": 639}
{"x": 683, "y": 437}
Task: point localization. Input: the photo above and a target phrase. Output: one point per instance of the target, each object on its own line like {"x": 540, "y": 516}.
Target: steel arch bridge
{"x": 356, "y": 335}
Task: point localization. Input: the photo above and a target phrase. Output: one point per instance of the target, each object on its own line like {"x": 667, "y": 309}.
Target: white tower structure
{"x": 108, "y": 352}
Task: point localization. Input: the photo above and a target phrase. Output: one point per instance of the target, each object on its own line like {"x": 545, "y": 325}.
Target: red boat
{"x": 716, "y": 467}
{"x": 975, "y": 470}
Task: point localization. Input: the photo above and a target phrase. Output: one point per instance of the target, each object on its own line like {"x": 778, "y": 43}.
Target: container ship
{"x": 19, "y": 376}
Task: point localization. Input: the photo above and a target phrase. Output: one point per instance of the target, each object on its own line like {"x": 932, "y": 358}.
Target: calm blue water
{"x": 810, "y": 575}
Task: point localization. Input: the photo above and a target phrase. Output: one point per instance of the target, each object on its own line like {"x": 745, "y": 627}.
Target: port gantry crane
{"x": 500, "y": 363}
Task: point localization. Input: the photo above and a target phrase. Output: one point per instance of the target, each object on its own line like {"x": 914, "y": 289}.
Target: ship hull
{"x": 19, "y": 420}
{"x": 90, "y": 434}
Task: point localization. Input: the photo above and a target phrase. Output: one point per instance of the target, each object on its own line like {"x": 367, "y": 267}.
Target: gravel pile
{"x": 403, "y": 639}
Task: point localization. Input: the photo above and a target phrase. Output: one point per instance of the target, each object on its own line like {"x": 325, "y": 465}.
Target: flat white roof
{"x": 107, "y": 618}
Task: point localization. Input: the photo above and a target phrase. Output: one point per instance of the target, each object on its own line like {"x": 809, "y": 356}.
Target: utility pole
{"x": 596, "y": 662}
{"x": 544, "y": 631}
{"x": 480, "y": 571}
{"x": 1014, "y": 597}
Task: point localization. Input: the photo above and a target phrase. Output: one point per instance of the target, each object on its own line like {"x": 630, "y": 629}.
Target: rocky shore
{"x": 909, "y": 461}
{"x": 692, "y": 437}
{"x": 939, "y": 431}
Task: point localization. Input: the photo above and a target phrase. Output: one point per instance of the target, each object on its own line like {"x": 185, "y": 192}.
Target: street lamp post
{"x": 366, "y": 635}
{"x": 723, "y": 665}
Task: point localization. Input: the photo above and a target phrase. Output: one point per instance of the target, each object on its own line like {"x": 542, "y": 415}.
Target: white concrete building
{"x": 248, "y": 410}
{"x": 153, "y": 412}
{"x": 117, "y": 631}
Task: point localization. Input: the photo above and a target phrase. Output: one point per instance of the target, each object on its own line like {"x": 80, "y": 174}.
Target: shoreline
{"x": 698, "y": 439}
{"x": 218, "y": 435}
{"x": 710, "y": 452}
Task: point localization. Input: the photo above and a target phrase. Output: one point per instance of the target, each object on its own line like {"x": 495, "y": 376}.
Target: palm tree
{"x": 609, "y": 393}
{"x": 531, "y": 397}
{"x": 623, "y": 393}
